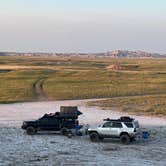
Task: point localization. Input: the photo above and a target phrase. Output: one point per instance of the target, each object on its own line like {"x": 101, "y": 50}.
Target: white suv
{"x": 124, "y": 128}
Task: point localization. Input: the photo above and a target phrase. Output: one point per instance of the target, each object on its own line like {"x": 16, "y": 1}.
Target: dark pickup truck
{"x": 61, "y": 121}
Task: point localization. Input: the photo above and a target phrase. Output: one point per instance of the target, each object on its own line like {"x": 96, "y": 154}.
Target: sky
{"x": 82, "y": 25}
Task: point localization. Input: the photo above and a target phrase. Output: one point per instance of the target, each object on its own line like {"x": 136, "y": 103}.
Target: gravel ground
{"x": 18, "y": 148}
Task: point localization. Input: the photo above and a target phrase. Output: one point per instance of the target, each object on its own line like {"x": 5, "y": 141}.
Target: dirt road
{"x": 17, "y": 148}
{"x": 38, "y": 90}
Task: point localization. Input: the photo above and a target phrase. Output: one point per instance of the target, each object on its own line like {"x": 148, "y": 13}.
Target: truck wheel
{"x": 94, "y": 137}
{"x": 101, "y": 138}
{"x": 69, "y": 135}
{"x": 63, "y": 131}
{"x": 125, "y": 139}
{"x": 31, "y": 131}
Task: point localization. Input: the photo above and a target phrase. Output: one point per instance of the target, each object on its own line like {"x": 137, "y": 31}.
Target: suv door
{"x": 111, "y": 129}
{"x": 105, "y": 129}
{"x": 116, "y": 128}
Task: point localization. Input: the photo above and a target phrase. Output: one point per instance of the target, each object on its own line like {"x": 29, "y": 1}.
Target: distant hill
{"x": 133, "y": 54}
{"x": 113, "y": 54}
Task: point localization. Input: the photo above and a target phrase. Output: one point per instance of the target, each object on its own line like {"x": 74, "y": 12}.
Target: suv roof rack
{"x": 126, "y": 119}
{"x": 121, "y": 119}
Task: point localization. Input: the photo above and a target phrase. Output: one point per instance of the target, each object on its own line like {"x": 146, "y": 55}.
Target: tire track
{"x": 43, "y": 94}
{"x": 34, "y": 90}
{"x": 38, "y": 90}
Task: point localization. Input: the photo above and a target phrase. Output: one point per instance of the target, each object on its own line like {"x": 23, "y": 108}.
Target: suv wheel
{"x": 132, "y": 139}
{"x": 125, "y": 139}
{"x": 94, "y": 137}
{"x": 31, "y": 131}
{"x": 101, "y": 138}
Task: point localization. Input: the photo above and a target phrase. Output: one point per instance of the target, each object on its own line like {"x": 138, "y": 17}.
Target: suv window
{"x": 136, "y": 124}
{"x": 129, "y": 125}
{"x": 107, "y": 124}
{"x": 116, "y": 125}
{"x": 113, "y": 124}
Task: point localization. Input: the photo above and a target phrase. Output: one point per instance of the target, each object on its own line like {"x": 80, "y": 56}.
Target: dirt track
{"x": 17, "y": 148}
{"x": 38, "y": 90}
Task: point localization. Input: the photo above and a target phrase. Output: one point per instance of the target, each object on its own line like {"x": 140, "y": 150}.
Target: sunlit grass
{"x": 80, "y": 78}
{"x": 149, "y": 104}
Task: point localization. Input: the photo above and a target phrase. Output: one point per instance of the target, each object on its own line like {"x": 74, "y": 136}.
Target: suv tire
{"x": 31, "y": 130}
{"x": 132, "y": 139}
{"x": 94, "y": 137}
{"x": 125, "y": 139}
{"x": 101, "y": 138}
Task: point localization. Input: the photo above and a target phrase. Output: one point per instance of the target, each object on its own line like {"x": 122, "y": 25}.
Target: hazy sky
{"x": 82, "y": 25}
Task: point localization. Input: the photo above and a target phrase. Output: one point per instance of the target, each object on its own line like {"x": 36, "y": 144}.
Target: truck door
{"x": 53, "y": 123}
{"x": 49, "y": 123}
{"x": 43, "y": 123}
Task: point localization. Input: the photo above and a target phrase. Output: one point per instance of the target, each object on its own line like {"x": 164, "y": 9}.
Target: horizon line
{"x": 98, "y": 52}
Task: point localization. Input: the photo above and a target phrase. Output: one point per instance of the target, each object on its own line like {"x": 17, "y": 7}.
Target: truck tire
{"x": 94, "y": 137}
{"x": 63, "y": 131}
{"x": 69, "y": 135}
{"x": 125, "y": 139}
{"x": 31, "y": 130}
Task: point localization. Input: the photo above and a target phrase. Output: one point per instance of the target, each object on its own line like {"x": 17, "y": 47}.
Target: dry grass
{"x": 78, "y": 77}
{"x": 149, "y": 104}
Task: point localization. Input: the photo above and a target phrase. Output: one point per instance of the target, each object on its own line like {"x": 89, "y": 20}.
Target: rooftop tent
{"x": 79, "y": 112}
{"x": 69, "y": 111}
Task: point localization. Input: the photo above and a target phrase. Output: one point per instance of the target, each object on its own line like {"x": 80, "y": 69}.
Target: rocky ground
{"x": 18, "y": 148}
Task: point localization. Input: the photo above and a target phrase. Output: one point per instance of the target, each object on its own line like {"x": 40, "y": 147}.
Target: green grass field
{"x": 28, "y": 78}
